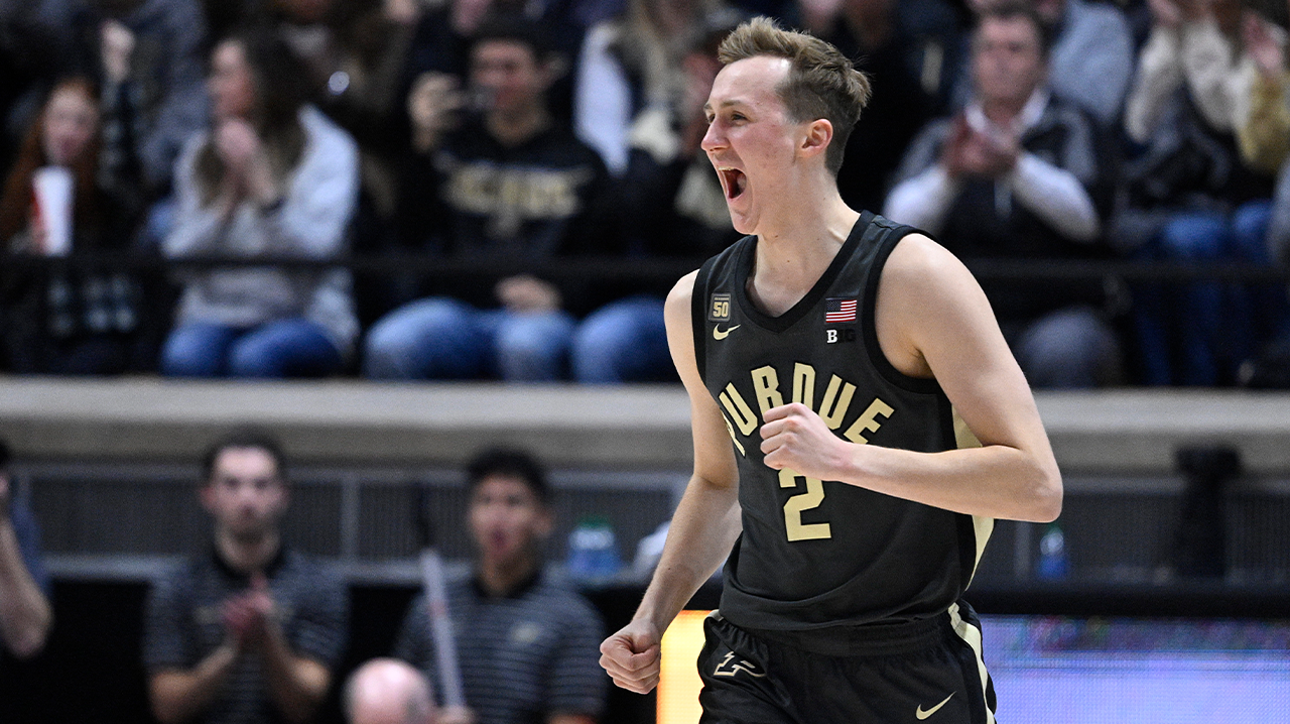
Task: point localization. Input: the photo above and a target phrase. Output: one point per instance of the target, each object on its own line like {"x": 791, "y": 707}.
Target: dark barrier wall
{"x": 90, "y": 670}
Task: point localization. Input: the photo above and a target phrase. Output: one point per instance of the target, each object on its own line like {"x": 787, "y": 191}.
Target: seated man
{"x": 528, "y": 649}
{"x": 1017, "y": 176}
{"x": 509, "y": 183}
{"x": 252, "y": 632}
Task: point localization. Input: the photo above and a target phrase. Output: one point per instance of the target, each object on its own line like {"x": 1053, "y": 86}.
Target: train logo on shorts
{"x": 730, "y": 667}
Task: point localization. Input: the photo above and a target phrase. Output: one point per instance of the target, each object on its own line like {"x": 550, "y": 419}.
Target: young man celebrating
{"x": 858, "y": 423}
{"x": 252, "y": 632}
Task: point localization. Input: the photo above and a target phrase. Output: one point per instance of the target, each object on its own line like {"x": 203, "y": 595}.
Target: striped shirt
{"x": 523, "y": 656}
{"x": 183, "y": 625}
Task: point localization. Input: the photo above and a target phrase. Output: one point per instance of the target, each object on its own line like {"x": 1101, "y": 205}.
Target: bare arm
{"x": 178, "y": 696}
{"x": 934, "y": 320}
{"x": 703, "y": 529}
{"x": 25, "y": 614}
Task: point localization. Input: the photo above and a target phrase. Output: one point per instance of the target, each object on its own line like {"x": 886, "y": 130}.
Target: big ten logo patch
{"x": 845, "y": 334}
{"x": 719, "y": 308}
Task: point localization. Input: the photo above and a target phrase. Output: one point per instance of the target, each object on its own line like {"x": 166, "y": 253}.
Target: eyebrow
{"x": 707, "y": 107}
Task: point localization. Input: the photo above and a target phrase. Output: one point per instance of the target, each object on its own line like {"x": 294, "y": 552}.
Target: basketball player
{"x": 841, "y": 371}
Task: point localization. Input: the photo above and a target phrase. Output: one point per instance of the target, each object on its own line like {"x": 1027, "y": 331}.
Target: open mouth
{"x": 734, "y": 182}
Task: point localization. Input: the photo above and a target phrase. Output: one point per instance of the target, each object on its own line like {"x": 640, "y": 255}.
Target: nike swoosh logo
{"x": 924, "y": 714}
{"x": 718, "y": 334}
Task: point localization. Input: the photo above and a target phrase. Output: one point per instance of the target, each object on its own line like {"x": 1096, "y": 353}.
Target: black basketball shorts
{"x": 925, "y": 671}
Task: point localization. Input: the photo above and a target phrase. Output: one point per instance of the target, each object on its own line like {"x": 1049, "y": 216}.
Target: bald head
{"x": 388, "y": 691}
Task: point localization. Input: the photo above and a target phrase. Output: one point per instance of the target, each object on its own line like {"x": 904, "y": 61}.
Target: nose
{"x": 714, "y": 139}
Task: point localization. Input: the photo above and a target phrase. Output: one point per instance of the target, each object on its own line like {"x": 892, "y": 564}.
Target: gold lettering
{"x": 766, "y": 386}
{"x": 834, "y": 407}
{"x": 734, "y": 438}
{"x": 804, "y": 384}
{"x": 738, "y": 409}
{"x": 796, "y": 505}
{"x": 868, "y": 420}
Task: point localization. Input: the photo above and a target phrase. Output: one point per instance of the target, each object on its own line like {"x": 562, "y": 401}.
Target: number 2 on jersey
{"x": 793, "y": 507}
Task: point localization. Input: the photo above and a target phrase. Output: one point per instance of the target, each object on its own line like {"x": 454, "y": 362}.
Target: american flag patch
{"x": 838, "y": 310}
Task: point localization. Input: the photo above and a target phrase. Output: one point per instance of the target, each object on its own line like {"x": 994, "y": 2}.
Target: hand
{"x": 456, "y": 715}
{"x": 433, "y": 104}
{"x": 237, "y": 144}
{"x": 981, "y": 154}
{"x": 240, "y": 147}
{"x": 527, "y": 294}
{"x": 952, "y": 153}
{"x": 116, "y": 43}
{"x": 794, "y": 437}
{"x": 998, "y": 153}
{"x": 251, "y": 616}
{"x": 1267, "y": 53}
{"x": 631, "y": 656}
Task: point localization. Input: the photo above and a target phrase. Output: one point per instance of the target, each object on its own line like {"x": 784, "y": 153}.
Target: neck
{"x": 792, "y": 257}
{"x": 500, "y": 578}
{"x": 1003, "y": 112}
{"x": 247, "y": 554}
{"x": 514, "y": 128}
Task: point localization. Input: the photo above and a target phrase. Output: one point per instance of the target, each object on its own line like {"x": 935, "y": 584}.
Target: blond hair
{"x": 821, "y": 82}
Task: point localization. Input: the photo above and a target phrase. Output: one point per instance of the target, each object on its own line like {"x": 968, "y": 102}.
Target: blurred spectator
{"x": 672, "y": 203}
{"x": 911, "y": 50}
{"x": 355, "y": 54}
{"x": 25, "y": 613}
{"x": 1188, "y": 195}
{"x": 389, "y": 691}
{"x": 67, "y": 316}
{"x": 1017, "y": 176}
{"x": 445, "y": 33}
{"x": 509, "y": 182}
{"x": 1091, "y": 60}
{"x": 629, "y": 72}
{"x": 271, "y": 177}
{"x": 1261, "y": 108}
{"x": 528, "y": 648}
{"x": 253, "y": 631}
{"x": 149, "y": 55}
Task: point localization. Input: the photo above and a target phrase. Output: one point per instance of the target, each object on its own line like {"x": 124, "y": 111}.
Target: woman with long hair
{"x": 271, "y": 177}
{"x": 60, "y": 316}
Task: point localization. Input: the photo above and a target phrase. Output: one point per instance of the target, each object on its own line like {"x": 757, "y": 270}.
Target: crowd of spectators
{"x": 506, "y": 134}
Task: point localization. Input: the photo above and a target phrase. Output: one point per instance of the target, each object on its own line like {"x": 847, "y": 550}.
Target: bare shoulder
{"x": 918, "y": 260}
{"x": 683, "y": 290}
{"x": 924, "y": 292}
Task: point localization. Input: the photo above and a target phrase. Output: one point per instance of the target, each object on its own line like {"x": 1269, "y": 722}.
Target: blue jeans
{"x": 444, "y": 339}
{"x": 274, "y": 350}
{"x": 1198, "y": 333}
{"x": 1068, "y": 349}
{"x": 623, "y": 341}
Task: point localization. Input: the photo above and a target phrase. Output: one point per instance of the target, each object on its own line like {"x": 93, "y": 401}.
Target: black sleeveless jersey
{"x": 817, "y": 553}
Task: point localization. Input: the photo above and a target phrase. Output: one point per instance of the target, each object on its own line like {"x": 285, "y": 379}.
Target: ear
{"x": 818, "y": 136}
